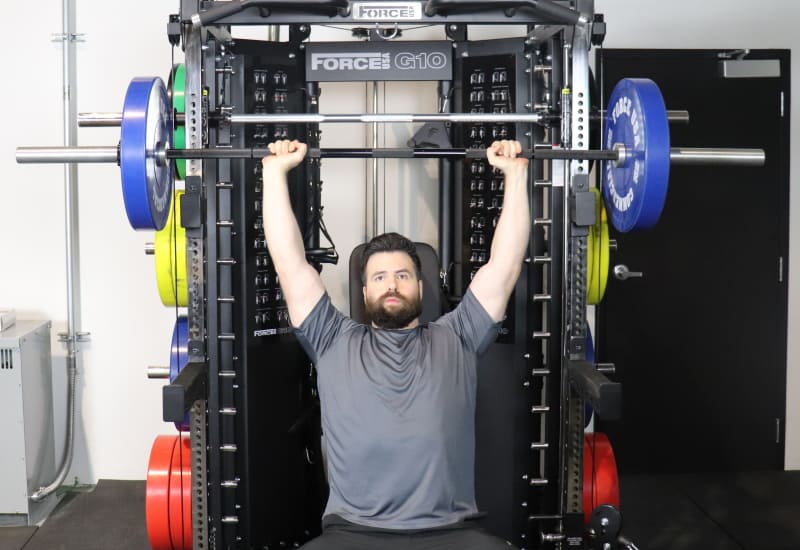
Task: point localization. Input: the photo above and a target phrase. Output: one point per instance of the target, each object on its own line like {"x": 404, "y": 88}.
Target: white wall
{"x": 119, "y": 408}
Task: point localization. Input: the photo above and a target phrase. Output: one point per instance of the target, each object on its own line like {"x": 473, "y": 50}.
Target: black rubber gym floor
{"x": 740, "y": 511}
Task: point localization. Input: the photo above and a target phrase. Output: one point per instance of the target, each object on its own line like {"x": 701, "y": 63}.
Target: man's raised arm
{"x": 301, "y": 284}
{"x": 495, "y": 281}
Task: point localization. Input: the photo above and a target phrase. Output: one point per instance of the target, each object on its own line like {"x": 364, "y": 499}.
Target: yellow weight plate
{"x": 605, "y": 251}
{"x": 170, "y": 252}
{"x": 598, "y": 254}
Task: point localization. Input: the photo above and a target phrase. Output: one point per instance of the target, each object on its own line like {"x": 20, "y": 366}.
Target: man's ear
{"x": 364, "y": 293}
{"x": 420, "y": 289}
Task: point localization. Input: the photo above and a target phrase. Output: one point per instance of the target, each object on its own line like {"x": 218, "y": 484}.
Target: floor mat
{"x": 760, "y": 510}
{"x": 658, "y": 516}
{"x": 14, "y": 538}
{"x": 109, "y": 517}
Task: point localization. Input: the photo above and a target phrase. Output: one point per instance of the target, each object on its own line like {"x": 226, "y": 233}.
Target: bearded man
{"x": 398, "y": 397}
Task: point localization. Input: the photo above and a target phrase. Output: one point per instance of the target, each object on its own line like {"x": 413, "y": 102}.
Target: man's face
{"x": 392, "y": 291}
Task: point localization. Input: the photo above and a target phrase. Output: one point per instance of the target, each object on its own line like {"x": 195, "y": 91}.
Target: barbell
{"x": 636, "y": 151}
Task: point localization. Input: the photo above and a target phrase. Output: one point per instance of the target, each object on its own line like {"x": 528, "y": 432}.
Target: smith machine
{"x": 247, "y": 470}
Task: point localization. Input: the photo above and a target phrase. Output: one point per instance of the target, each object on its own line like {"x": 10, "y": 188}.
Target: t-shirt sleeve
{"x": 321, "y": 327}
{"x": 472, "y": 323}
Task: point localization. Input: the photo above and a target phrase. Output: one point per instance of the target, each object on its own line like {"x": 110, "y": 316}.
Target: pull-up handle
{"x": 548, "y": 8}
{"x": 224, "y": 9}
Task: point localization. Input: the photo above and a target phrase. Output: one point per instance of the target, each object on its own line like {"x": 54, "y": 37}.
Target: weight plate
{"x": 179, "y": 139}
{"x": 157, "y": 492}
{"x": 600, "y": 478}
{"x": 168, "y": 493}
{"x": 146, "y": 125}
{"x": 170, "y": 258}
{"x": 635, "y": 191}
{"x": 180, "y": 495}
{"x": 177, "y": 92}
{"x": 178, "y": 357}
{"x": 177, "y": 87}
{"x": 598, "y": 254}
{"x": 587, "y": 411}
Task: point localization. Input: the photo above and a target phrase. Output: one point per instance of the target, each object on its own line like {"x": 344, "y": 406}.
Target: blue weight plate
{"x": 178, "y": 357}
{"x": 636, "y": 190}
{"x": 587, "y": 412}
{"x": 146, "y": 125}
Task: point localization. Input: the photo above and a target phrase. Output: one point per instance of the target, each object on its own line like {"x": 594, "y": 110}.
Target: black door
{"x": 700, "y": 340}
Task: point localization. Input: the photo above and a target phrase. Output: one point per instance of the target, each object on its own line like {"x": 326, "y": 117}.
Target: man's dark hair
{"x": 389, "y": 242}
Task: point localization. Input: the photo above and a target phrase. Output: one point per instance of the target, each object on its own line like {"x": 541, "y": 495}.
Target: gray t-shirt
{"x": 398, "y": 414}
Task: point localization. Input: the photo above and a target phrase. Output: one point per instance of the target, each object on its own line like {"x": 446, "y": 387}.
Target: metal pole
{"x": 115, "y": 119}
{"x": 72, "y": 241}
{"x": 101, "y": 119}
{"x": 446, "y": 206}
{"x": 374, "y": 161}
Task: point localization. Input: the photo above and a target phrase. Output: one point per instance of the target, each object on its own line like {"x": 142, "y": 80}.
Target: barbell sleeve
{"x": 701, "y": 155}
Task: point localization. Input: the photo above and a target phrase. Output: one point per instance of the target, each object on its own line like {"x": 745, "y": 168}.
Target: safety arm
{"x": 301, "y": 284}
{"x": 555, "y": 13}
{"x": 494, "y": 282}
{"x": 602, "y": 394}
{"x": 224, "y": 9}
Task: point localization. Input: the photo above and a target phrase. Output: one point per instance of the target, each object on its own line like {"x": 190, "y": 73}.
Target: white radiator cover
{"x": 27, "y": 451}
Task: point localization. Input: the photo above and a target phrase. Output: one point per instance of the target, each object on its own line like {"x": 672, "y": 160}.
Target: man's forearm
{"x": 510, "y": 240}
{"x": 283, "y": 236}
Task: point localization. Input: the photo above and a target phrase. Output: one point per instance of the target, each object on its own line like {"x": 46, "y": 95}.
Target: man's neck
{"x": 412, "y": 324}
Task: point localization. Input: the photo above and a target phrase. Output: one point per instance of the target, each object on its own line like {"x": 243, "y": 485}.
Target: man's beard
{"x": 398, "y": 317}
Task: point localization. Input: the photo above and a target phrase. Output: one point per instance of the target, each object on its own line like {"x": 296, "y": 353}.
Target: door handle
{"x": 622, "y": 272}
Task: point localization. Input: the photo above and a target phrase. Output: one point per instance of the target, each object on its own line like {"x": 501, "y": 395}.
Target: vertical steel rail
{"x": 206, "y": 526}
{"x": 375, "y": 161}
{"x": 446, "y": 183}
{"x": 573, "y": 327}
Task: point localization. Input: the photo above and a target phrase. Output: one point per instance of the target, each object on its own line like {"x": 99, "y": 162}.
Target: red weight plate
{"x": 157, "y": 492}
{"x": 600, "y": 479}
{"x": 180, "y": 496}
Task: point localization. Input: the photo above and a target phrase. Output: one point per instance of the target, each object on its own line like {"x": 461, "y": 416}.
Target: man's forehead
{"x": 389, "y": 261}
